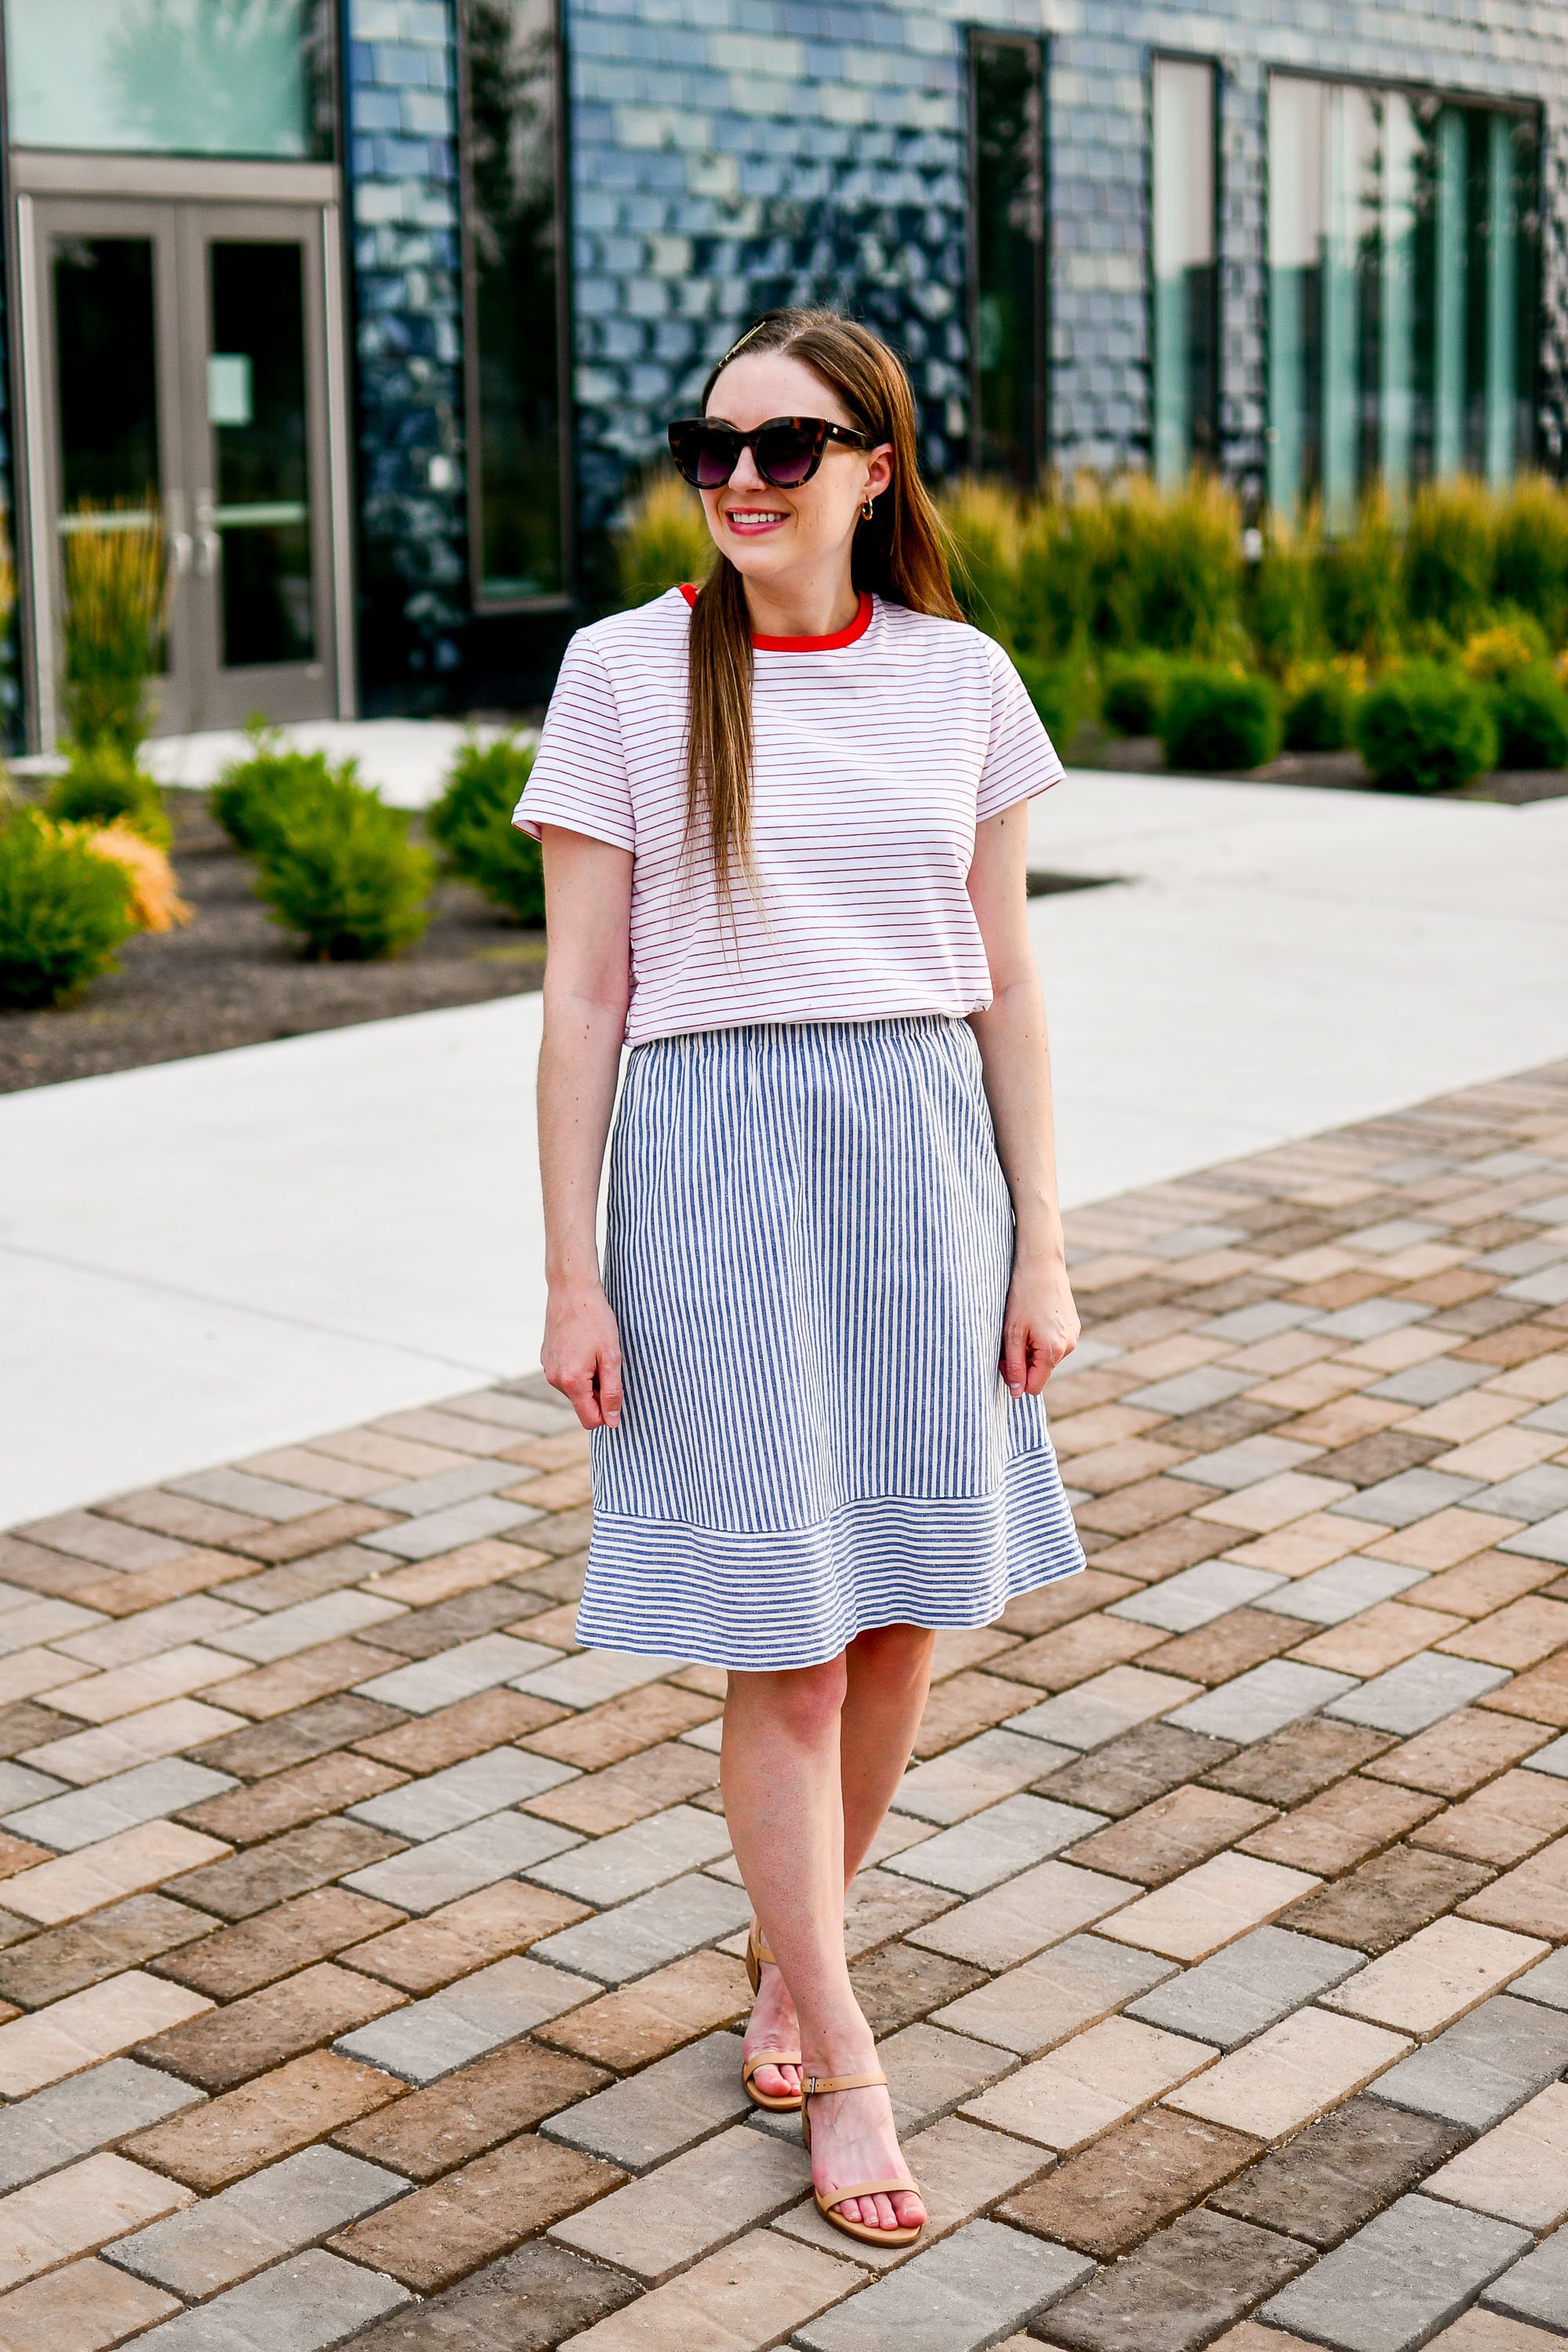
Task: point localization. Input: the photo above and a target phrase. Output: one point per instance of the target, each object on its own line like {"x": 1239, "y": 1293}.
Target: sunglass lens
{"x": 705, "y": 455}
{"x": 786, "y": 454}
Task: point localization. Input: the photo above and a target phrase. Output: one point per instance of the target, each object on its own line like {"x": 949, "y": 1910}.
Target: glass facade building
{"x": 376, "y": 310}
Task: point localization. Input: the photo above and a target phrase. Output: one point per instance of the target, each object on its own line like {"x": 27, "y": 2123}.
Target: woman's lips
{"x": 754, "y": 522}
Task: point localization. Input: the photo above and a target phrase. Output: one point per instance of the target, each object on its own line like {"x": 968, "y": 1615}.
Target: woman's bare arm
{"x": 587, "y": 978}
{"x": 1041, "y": 1325}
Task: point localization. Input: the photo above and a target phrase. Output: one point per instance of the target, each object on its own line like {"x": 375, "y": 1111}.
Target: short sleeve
{"x": 579, "y": 777}
{"x": 1020, "y": 758}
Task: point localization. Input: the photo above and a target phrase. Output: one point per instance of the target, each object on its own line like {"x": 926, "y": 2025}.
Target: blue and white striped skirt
{"x": 809, "y": 1238}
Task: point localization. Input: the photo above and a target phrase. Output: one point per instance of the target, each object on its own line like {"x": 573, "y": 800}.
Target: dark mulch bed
{"x": 233, "y": 977}
{"x": 1142, "y": 755}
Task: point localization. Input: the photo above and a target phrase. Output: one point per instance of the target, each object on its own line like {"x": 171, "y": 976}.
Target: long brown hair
{"x": 901, "y": 554}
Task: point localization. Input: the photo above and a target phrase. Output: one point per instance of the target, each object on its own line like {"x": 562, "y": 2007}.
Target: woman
{"x": 785, "y": 847}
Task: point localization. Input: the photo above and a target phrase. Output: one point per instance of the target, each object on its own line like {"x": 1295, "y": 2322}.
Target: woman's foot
{"x": 853, "y": 2138}
{"x": 774, "y": 2026}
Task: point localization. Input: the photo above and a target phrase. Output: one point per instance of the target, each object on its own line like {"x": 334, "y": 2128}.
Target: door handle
{"x": 208, "y": 547}
{"x": 179, "y": 554}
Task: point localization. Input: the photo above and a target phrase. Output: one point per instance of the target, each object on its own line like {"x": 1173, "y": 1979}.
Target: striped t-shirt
{"x": 876, "y": 753}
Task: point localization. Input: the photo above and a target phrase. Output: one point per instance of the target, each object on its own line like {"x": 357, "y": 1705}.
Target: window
{"x": 1402, "y": 272}
{"x": 1185, "y": 272}
{"x": 169, "y": 76}
{"x": 1007, "y": 255}
{"x": 519, "y": 471}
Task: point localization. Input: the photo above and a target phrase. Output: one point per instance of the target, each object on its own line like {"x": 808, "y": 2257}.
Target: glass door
{"x": 178, "y": 380}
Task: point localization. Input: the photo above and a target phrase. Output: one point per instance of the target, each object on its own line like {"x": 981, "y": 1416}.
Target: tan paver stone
{"x": 263, "y": 2028}
{"x": 1134, "y": 1510}
{"x": 1541, "y": 1382}
{"x": 1460, "y": 1753}
{"x": 1015, "y": 1921}
{"x": 754, "y": 2293}
{"x": 282, "y": 1802}
{"x": 469, "y": 1569}
{"x": 1055, "y": 1660}
{"x": 1488, "y": 1582}
{"x": 338, "y": 1523}
{"x": 507, "y": 2092}
{"x": 1138, "y": 2176}
{"x": 1540, "y": 1693}
{"x": 622, "y": 1793}
{"x": 309, "y": 1675}
{"x": 1500, "y": 1454}
{"x": 1227, "y": 1646}
{"x": 315, "y": 1470}
{"x": 1520, "y": 1635}
{"x": 398, "y": 1457}
{"x": 1343, "y": 1825}
{"x": 1533, "y": 1899}
{"x": 208, "y": 2146}
{"x": 78, "y": 2211}
{"x": 1250, "y": 2337}
{"x": 1293, "y": 1764}
{"x": 673, "y": 2216}
{"x": 659, "y": 2013}
{"x": 1049, "y": 1605}
{"x": 1290, "y": 2073}
{"x": 1443, "y": 1540}
{"x": 962, "y": 2170}
{"x": 1177, "y": 1543}
{"x": 1209, "y": 1906}
{"x": 1517, "y": 2170}
{"x": 82, "y": 1757}
{"x": 1487, "y": 2331}
{"x": 427, "y": 1953}
{"x": 85, "y": 2307}
{"x": 121, "y": 1864}
{"x": 622, "y": 1726}
{"x": 308, "y": 1928}
{"x": 87, "y": 2026}
{"x": 967, "y": 1703}
{"x": 1275, "y": 1502}
{"x": 1076, "y": 2091}
{"x": 1379, "y": 1638}
{"x": 1305, "y": 1545}
{"x": 470, "y": 1727}
{"x": 27, "y": 1672}
{"x": 125, "y": 1690}
{"x": 433, "y": 2237}
{"x": 110, "y": 1543}
{"x": 1443, "y": 1972}
{"x": 196, "y": 1571}
{"x": 1170, "y": 1835}
{"x": 1054, "y": 1995}
{"x": 1504, "y": 1821}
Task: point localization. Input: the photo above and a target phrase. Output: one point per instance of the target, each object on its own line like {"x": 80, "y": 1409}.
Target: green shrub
{"x": 1184, "y": 572}
{"x": 1060, "y": 692}
{"x": 1425, "y": 728}
{"x": 63, "y": 910}
{"x": 341, "y": 872}
{"x": 1451, "y": 544}
{"x": 114, "y": 608}
{"x": 1361, "y": 583}
{"x": 1531, "y": 562}
{"x": 104, "y": 783}
{"x": 1218, "y": 719}
{"x": 1531, "y": 714}
{"x": 1284, "y": 604}
{"x": 1132, "y": 692}
{"x": 1497, "y": 656}
{"x": 472, "y": 822}
{"x": 987, "y": 523}
{"x": 1072, "y": 563}
{"x": 661, "y": 540}
{"x": 255, "y": 798}
{"x": 1318, "y": 711}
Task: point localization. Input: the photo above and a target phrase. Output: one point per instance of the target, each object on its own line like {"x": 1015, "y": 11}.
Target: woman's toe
{"x": 908, "y": 2211}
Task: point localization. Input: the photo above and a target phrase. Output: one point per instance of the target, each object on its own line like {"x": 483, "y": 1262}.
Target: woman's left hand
{"x": 1039, "y": 1326}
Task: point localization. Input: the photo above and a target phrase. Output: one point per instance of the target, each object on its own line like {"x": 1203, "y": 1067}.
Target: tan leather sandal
{"x": 905, "y": 2234}
{"x": 757, "y": 1953}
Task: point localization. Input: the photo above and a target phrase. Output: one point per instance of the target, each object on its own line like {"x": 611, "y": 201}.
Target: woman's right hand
{"x": 581, "y": 1355}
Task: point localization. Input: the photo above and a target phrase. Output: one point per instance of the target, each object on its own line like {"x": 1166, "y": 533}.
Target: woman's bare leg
{"x": 888, "y": 1676}
{"x": 782, "y": 1767}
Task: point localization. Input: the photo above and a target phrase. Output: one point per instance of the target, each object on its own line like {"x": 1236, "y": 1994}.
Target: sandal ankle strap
{"x": 812, "y": 2084}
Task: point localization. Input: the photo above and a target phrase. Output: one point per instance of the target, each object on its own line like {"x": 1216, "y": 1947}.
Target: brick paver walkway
{"x": 369, "y": 1959}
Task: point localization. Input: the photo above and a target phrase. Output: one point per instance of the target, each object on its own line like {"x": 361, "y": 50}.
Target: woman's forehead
{"x": 760, "y": 385}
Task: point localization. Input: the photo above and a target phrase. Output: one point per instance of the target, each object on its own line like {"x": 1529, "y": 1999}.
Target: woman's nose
{"x": 745, "y": 476}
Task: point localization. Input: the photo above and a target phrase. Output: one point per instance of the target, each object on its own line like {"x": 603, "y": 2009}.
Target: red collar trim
{"x": 830, "y": 644}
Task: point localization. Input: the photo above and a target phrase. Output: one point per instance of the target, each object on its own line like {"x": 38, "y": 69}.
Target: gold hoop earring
{"x": 868, "y": 510}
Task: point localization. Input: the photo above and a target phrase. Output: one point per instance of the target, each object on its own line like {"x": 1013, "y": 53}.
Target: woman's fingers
{"x": 1016, "y": 1357}
{"x": 610, "y": 1387}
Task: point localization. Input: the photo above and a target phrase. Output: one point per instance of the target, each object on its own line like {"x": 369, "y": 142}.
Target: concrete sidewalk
{"x": 210, "y": 1257}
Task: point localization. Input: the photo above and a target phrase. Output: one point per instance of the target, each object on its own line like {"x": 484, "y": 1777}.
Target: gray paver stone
{"x": 1430, "y": 1383}
{"x": 967, "y": 2290}
{"x": 242, "y": 1490}
{"x": 463, "y": 1793}
{"x": 591, "y": 1677}
{"x": 1071, "y": 1986}
{"x": 650, "y": 1931}
{"x": 1248, "y": 1986}
{"x": 327, "y": 1617}
{"x": 1244, "y": 1464}
{"x": 1343, "y": 1589}
{"x": 1537, "y": 2288}
{"x": 457, "y": 1672}
{"x": 306, "y": 2305}
{"x": 1370, "y": 1318}
{"x": 682, "y": 2210}
{"x": 1484, "y": 2066}
{"x": 258, "y": 2221}
{"x": 1398, "y": 2279}
{"x": 994, "y": 1764}
{"x": 1264, "y": 1699}
{"x": 463, "y": 1523}
{"x": 1547, "y": 1981}
{"x": 1179, "y": 2289}
{"x": 1534, "y": 1494}
{"x": 1547, "y": 1539}
{"x": 89, "y": 2111}
{"x": 21, "y": 1785}
{"x": 1414, "y": 1495}
{"x": 1552, "y": 1759}
{"x": 429, "y": 2038}
{"x": 539, "y": 2297}
{"x": 417, "y": 1497}
{"x": 147, "y": 1793}
{"x": 629, "y": 1862}
{"x": 665, "y": 2108}
{"x": 445, "y": 1867}
{"x": 1197, "y": 1595}
{"x": 1420, "y": 1690}
{"x": 1193, "y": 1392}
{"x": 1013, "y": 1921}
{"x": 1103, "y": 1707}
{"x": 995, "y": 1845}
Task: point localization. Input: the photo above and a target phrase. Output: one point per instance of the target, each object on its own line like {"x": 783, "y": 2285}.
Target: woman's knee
{"x": 893, "y": 1653}
{"x": 804, "y": 1702}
